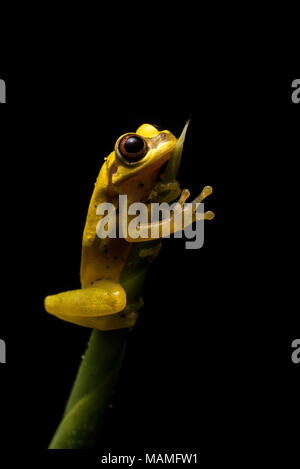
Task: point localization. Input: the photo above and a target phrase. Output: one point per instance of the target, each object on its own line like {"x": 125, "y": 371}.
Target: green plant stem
{"x": 89, "y": 399}
{"x": 83, "y": 418}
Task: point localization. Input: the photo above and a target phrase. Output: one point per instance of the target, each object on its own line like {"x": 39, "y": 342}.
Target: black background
{"x": 208, "y": 366}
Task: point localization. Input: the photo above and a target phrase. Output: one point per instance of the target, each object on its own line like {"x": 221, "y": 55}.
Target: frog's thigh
{"x": 104, "y": 298}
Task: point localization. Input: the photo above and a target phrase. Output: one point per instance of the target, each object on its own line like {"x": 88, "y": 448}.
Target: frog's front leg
{"x": 88, "y": 306}
{"x": 177, "y": 221}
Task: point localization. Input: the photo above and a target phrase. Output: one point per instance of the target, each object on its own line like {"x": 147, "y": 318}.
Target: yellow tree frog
{"x": 134, "y": 169}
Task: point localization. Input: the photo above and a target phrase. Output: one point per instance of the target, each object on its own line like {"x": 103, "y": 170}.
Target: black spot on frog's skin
{"x": 105, "y": 251}
{"x": 107, "y": 266}
{"x": 115, "y": 258}
{"x": 141, "y": 184}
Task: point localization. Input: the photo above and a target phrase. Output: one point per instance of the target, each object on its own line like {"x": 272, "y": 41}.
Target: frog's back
{"x": 101, "y": 258}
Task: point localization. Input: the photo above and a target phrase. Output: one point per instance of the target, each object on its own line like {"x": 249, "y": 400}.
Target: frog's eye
{"x": 132, "y": 148}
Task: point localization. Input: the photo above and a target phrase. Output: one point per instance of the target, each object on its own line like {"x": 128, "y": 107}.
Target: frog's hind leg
{"x": 84, "y": 306}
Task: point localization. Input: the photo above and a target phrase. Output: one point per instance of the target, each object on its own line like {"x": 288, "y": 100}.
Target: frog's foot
{"x": 185, "y": 193}
{"x": 207, "y": 190}
{"x": 173, "y": 222}
{"x": 88, "y": 306}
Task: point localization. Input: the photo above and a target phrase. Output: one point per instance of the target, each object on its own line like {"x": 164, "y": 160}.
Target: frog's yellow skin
{"x": 101, "y": 302}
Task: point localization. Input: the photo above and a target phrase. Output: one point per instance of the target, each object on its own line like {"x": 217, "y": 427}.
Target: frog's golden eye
{"x": 132, "y": 148}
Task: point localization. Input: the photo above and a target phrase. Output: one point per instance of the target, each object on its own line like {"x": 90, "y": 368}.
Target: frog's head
{"x": 140, "y": 156}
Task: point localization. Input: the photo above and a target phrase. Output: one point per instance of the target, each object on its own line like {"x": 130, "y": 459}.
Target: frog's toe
{"x": 207, "y": 190}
